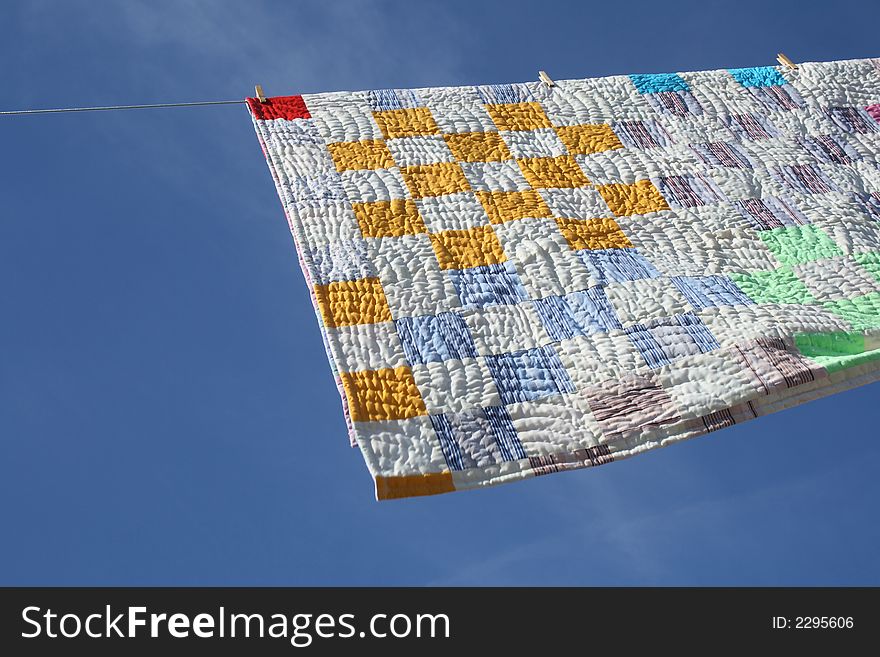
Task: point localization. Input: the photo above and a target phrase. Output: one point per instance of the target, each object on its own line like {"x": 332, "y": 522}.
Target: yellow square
{"x": 510, "y": 206}
{"x": 344, "y": 303}
{"x": 349, "y": 155}
{"x": 562, "y": 171}
{"x": 478, "y": 147}
{"x": 389, "y": 218}
{"x": 387, "y": 394}
{"x": 586, "y": 139}
{"x": 475, "y": 247}
{"x": 430, "y": 483}
{"x": 639, "y": 198}
{"x": 406, "y": 122}
{"x": 593, "y": 234}
{"x": 435, "y": 179}
{"x": 518, "y": 116}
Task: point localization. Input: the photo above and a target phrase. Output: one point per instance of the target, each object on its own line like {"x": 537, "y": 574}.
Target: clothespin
{"x": 546, "y": 79}
{"x": 785, "y": 61}
{"x": 258, "y": 91}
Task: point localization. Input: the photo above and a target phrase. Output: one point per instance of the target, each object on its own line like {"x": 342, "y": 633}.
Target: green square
{"x": 861, "y": 312}
{"x": 869, "y": 261}
{"x": 777, "y": 286}
{"x": 836, "y": 351}
{"x": 794, "y": 244}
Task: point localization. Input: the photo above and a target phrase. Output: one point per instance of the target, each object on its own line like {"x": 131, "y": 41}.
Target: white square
{"x": 832, "y": 280}
{"x": 459, "y": 118}
{"x": 504, "y": 176}
{"x": 455, "y": 386}
{"x": 398, "y": 448}
{"x": 555, "y": 425}
{"x": 368, "y": 186}
{"x": 413, "y": 151}
{"x": 340, "y": 119}
{"x": 320, "y": 225}
{"x": 366, "y": 347}
{"x": 411, "y": 277}
{"x": 594, "y": 359}
{"x": 576, "y": 203}
{"x": 504, "y": 329}
{"x": 545, "y": 263}
{"x": 701, "y": 384}
{"x": 452, "y": 212}
{"x": 601, "y": 100}
{"x": 534, "y": 143}
{"x": 645, "y": 299}
{"x": 732, "y": 324}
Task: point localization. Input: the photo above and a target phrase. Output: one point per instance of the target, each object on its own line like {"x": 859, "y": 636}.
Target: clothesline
{"x": 120, "y": 107}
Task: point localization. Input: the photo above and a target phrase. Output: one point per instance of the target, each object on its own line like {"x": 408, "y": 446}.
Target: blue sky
{"x": 167, "y": 415}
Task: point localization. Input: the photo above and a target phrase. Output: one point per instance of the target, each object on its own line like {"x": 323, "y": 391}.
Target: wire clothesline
{"x": 258, "y": 90}
{"x": 61, "y": 110}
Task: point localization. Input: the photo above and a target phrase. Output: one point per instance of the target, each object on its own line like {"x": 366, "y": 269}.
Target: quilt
{"x": 514, "y": 280}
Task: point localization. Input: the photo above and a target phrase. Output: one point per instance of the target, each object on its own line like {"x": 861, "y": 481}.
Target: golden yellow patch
{"x": 386, "y": 394}
{"x": 601, "y": 233}
{"x": 349, "y": 155}
{"x": 562, "y": 171}
{"x": 389, "y": 218}
{"x": 586, "y": 139}
{"x": 406, "y": 122}
{"x": 518, "y": 116}
{"x": 478, "y": 147}
{"x": 509, "y": 206}
{"x": 433, "y": 483}
{"x": 434, "y": 179}
{"x": 639, "y": 198}
{"x": 460, "y": 249}
{"x": 344, "y": 303}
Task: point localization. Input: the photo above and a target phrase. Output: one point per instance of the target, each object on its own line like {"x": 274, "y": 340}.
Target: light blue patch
{"x": 579, "y": 313}
{"x": 435, "y": 338}
{"x": 495, "y": 94}
{"x": 708, "y": 291}
{"x": 757, "y": 76}
{"x": 652, "y": 83}
{"x": 489, "y": 285}
{"x": 529, "y": 374}
{"x": 392, "y": 99}
{"x": 617, "y": 265}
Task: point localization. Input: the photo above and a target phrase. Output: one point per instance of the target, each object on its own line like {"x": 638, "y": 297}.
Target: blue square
{"x": 529, "y": 374}
{"x": 579, "y": 313}
{"x": 665, "y": 340}
{"x": 757, "y": 76}
{"x": 477, "y": 438}
{"x": 434, "y": 338}
{"x": 499, "y": 94}
{"x": 708, "y": 291}
{"x": 392, "y": 99}
{"x": 652, "y": 83}
{"x": 617, "y": 265}
{"x": 489, "y": 285}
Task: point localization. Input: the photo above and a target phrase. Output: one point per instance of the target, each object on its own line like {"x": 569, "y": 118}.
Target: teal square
{"x": 795, "y": 244}
{"x": 757, "y": 76}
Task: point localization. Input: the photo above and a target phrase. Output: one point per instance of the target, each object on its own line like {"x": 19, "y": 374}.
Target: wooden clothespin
{"x": 258, "y": 91}
{"x": 785, "y": 61}
{"x": 546, "y": 79}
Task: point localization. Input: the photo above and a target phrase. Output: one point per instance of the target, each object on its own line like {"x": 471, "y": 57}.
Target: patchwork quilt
{"x": 519, "y": 279}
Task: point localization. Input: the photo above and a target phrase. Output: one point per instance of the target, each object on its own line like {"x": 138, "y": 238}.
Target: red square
{"x": 280, "y": 107}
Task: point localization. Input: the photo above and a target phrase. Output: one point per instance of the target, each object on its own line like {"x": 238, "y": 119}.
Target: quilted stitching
{"x": 515, "y": 280}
